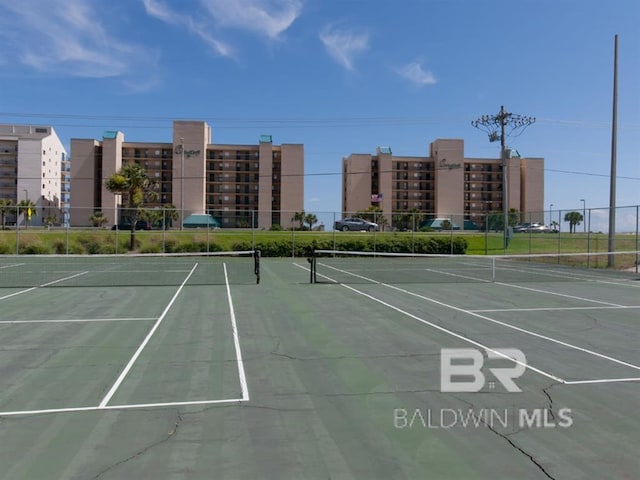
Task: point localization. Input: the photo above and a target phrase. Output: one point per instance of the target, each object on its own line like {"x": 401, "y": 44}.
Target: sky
{"x": 340, "y": 77}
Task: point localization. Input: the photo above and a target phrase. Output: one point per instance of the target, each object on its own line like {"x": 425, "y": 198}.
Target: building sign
{"x": 451, "y": 166}
{"x": 187, "y": 153}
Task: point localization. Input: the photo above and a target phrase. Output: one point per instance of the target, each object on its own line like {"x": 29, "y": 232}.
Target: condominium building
{"x": 444, "y": 184}
{"x": 33, "y": 167}
{"x": 240, "y": 185}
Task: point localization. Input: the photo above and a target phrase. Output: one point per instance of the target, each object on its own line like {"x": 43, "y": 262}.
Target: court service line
{"x": 236, "y": 339}
{"x": 564, "y": 295}
{"x": 554, "y": 309}
{"x": 12, "y": 265}
{"x": 603, "y": 380}
{"x": 43, "y": 285}
{"x": 437, "y": 327}
{"x": 120, "y": 407}
{"x": 135, "y": 356}
{"x": 574, "y": 275}
{"x": 498, "y": 322}
{"x": 79, "y": 320}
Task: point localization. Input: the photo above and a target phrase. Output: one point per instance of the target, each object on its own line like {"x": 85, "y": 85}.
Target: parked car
{"x": 531, "y": 228}
{"x": 355, "y": 224}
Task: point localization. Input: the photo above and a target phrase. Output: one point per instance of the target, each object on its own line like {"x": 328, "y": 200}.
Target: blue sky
{"x": 339, "y": 76}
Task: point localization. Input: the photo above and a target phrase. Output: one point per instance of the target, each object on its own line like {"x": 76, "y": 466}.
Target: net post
{"x": 311, "y": 259}
{"x": 256, "y": 265}
{"x": 493, "y": 269}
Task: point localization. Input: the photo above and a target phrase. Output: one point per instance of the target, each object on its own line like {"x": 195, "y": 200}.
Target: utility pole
{"x": 611, "y": 261}
{"x": 490, "y": 124}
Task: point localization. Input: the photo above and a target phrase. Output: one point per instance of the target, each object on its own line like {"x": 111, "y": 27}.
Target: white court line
{"x": 79, "y": 320}
{"x": 236, "y": 339}
{"x": 564, "y": 295}
{"x": 554, "y": 309}
{"x": 575, "y": 275}
{"x": 12, "y": 265}
{"x": 43, "y": 285}
{"x": 135, "y": 356}
{"x": 603, "y": 380}
{"x": 498, "y": 322}
{"x": 437, "y": 327}
{"x": 120, "y": 407}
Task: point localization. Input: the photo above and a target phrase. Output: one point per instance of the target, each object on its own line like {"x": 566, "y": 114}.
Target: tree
{"x": 574, "y": 218}
{"x": 28, "y": 208}
{"x": 299, "y": 217}
{"x": 6, "y": 206}
{"x": 495, "y": 221}
{"x": 408, "y": 220}
{"x": 170, "y": 215}
{"x": 98, "y": 219}
{"x": 310, "y": 218}
{"x": 50, "y": 220}
{"x": 132, "y": 182}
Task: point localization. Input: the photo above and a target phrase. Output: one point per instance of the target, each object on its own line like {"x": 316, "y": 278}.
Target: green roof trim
{"x": 266, "y": 139}
{"x": 110, "y": 134}
{"x": 385, "y": 150}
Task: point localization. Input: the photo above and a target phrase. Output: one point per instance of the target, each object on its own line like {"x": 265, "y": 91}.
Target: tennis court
{"x": 185, "y": 367}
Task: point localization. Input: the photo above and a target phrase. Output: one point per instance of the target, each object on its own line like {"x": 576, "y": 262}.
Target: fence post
{"x": 253, "y": 239}
{"x": 334, "y": 231}
{"x": 637, "y": 207}
{"x": 589, "y": 239}
{"x": 293, "y": 239}
{"x": 559, "y": 233}
{"x": 17, "y": 230}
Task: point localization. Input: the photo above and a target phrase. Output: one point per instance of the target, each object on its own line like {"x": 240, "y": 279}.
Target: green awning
{"x": 201, "y": 220}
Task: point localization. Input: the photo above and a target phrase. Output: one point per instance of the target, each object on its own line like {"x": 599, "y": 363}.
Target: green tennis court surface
{"x": 185, "y": 368}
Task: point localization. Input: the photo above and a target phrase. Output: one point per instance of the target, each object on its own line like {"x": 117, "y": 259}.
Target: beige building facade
{"x": 445, "y": 184}
{"x": 34, "y": 167}
{"x": 240, "y": 185}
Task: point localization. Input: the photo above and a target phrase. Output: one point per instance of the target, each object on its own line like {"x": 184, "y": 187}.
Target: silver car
{"x": 355, "y": 224}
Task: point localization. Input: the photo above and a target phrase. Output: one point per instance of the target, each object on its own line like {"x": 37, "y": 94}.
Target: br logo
{"x": 464, "y": 365}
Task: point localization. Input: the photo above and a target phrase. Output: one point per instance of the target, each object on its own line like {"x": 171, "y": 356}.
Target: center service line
{"x": 124, "y": 373}
{"x": 236, "y": 340}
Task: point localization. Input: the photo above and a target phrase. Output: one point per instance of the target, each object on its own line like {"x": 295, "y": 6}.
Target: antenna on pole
{"x": 491, "y": 124}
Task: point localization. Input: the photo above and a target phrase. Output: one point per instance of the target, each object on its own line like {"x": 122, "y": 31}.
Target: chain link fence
{"x": 44, "y": 230}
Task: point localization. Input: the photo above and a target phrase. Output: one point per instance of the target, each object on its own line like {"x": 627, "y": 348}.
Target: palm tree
{"x": 299, "y": 217}
{"x": 28, "y": 208}
{"x": 132, "y": 182}
{"x": 574, "y": 218}
{"x": 98, "y": 219}
{"x": 171, "y": 215}
{"x": 310, "y": 218}
{"x": 6, "y": 206}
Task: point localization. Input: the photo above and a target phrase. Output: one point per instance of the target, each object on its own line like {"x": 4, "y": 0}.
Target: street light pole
{"x": 584, "y": 214}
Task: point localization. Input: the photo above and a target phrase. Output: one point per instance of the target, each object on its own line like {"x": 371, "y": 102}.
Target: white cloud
{"x": 415, "y": 74}
{"x": 264, "y": 17}
{"x": 66, "y": 37}
{"x": 343, "y": 44}
{"x": 161, "y": 11}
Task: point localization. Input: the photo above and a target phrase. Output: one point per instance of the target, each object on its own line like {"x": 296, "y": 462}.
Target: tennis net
{"x": 328, "y": 266}
{"x": 217, "y": 268}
